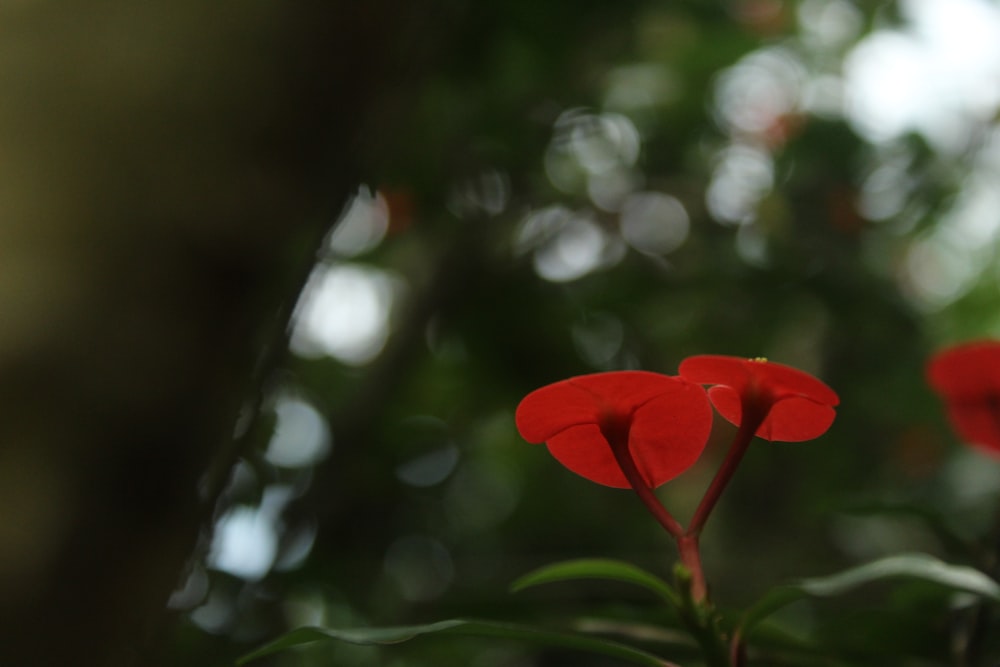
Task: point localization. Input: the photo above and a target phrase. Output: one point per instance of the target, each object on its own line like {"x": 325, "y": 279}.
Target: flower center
{"x": 615, "y": 426}
{"x": 759, "y": 395}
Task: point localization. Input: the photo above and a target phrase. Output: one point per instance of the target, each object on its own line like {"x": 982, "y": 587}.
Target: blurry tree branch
{"x": 168, "y": 170}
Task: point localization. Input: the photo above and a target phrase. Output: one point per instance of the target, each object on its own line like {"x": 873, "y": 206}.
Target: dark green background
{"x": 171, "y": 171}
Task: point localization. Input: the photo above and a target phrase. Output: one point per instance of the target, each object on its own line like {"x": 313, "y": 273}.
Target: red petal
{"x": 785, "y": 380}
{"x": 968, "y": 378}
{"x": 978, "y": 424}
{"x": 671, "y": 419}
{"x": 716, "y": 369}
{"x": 584, "y": 450}
{"x": 727, "y": 403}
{"x": 800, "y": 406}
{"x": 737, "y": 373}
{"x": 796, "y": 420}
{"x": 625, "y": 390}
{"x": 669, "y": 433}
{"x": 789, "y": 420}
{"x": 580, "y": 400}
{"x": 970, "y": 370}
{"x": 551, "y": 409}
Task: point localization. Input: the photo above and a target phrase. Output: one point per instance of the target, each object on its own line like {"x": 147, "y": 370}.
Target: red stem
{"x": 691, "y": 559}
{"x": 687, "y": 544}
{"x": 619, "y": 446}
{"x": 753, "y": 417}
{"x": 737, "y": 651}
{"x": 687, "y": 540}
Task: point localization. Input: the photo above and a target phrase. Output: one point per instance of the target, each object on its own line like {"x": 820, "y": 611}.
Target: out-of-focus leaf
{"x": 640, "y": 632}
{"x": 466, "y": 627}
{"x": 934, "y": 521}
{"x": 598, "y": 568}
{"x": 912, "y": 566}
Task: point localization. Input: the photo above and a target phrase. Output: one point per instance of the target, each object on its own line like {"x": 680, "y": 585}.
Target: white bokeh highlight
{"x": 344, "y": 313}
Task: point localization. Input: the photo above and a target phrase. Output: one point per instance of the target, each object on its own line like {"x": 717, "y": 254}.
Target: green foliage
{"x": 476, "y": 628}
{"x": 916, "y": 566}
{"x": 598, "y": 568}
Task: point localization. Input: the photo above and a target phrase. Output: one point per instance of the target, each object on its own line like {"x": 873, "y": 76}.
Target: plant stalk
{"x": 753, "y": 417}
{"x": 619, "y": 446}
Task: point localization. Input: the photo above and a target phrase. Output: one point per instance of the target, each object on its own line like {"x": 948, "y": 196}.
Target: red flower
{"x": 792, "y": 405}
{"x": 967, "y": 377}
{"x": 663, "y": 421}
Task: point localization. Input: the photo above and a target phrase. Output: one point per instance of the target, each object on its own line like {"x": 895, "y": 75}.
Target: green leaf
{"x": 598, "y": 568}
{"x": 933, "y": 520}
{"x": 912, "y": 566}
{"x": 466, "y": 627}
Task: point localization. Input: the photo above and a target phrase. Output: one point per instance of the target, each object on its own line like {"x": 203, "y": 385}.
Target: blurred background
{"x": 596, "y": 186}
{"x": 585, "y": 187}
{"x": 572, "y": 187}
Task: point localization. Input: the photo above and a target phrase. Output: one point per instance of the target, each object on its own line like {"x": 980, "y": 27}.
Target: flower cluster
{"x": 639, "y": 429}
{"x": 663, "y": 422}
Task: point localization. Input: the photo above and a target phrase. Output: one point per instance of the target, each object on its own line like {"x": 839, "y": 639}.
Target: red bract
{"x": 663, "y": 421}
{"x": 967, "y": 377}
{"x": 792, "y": 404}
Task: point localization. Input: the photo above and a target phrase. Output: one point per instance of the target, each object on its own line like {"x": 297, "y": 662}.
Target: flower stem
{"x": 737, "y": 649}
{"x": 619, "y": 446}
{"x": 753, "y": 417}
{"x": 690, "y": 553}
{"x": 694, "y": 610}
